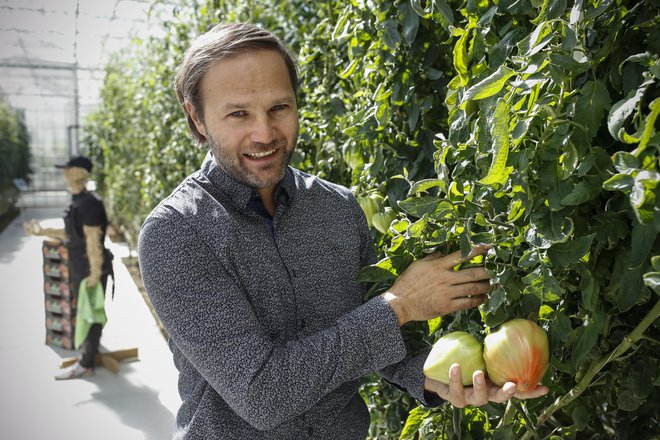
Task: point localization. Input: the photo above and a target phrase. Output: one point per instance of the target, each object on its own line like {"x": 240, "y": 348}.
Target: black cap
{"x": 79, "y": 162}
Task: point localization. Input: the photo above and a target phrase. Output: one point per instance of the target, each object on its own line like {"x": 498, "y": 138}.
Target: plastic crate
{"x": 57, "y": 287}
{"x": 64, "y": 325}
{"x": 59, "y": 339}
{"x": 55, "y": 250}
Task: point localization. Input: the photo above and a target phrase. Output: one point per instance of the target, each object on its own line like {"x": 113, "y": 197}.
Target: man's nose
{"x": 263, "y": 130}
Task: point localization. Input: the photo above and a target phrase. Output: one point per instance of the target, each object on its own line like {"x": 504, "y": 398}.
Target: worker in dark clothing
{"x": 85, "y": 224}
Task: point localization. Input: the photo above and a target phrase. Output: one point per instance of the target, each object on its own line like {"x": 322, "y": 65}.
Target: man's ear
{"x": 194, "y": 115}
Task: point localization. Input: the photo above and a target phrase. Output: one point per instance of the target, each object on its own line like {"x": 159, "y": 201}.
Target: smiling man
{"x": 249, "y": 118}
{"x": 251, "y": 265}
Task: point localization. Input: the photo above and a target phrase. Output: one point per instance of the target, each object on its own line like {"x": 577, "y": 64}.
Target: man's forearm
{"x": 94, "y": 248}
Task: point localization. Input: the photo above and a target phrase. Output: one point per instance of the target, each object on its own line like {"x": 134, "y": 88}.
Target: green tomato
{"x": 370, "y": 204}
{"x": 455, "y": 348}
{"x": 382, "y": 220}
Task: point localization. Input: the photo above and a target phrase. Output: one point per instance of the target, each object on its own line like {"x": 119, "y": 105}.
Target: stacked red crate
{"x": 59, "y": 302}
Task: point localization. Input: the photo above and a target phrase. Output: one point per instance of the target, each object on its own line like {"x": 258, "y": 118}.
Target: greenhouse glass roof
{"x": 52, "y": 59}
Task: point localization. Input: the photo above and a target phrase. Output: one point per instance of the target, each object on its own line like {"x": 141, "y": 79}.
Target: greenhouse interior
{"x": 295, "y": 219}
{"x": 52, "y": 66}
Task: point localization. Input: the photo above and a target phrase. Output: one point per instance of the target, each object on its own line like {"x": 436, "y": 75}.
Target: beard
{"x": 240, "y": 171}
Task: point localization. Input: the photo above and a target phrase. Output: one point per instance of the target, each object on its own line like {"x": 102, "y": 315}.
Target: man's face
{"x": 250, "y": 117}
{"x": 75, "y": 178}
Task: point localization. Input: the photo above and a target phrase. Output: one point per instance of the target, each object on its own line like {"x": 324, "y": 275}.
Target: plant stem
{"x": 509, "y": 412}
{"x": 634, "y": 336}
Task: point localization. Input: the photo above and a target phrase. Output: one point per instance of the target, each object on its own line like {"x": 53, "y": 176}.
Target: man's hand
{"x": 430, "y": 287}
{"x": 92, "y": 280}
{"x": 33, "y": 227}
{"x": 480, "y": 393}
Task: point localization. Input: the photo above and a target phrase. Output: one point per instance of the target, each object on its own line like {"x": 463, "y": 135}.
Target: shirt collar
{"x": 238, "y": 192}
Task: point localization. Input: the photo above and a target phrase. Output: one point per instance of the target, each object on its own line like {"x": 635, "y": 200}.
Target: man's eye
{"x": 279, "y": 107}
{"x": 237, "y": 114}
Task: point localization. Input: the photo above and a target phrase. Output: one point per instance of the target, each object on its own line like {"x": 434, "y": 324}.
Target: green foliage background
{"x": 15, "y": 153}
{"x": 527, "y": 124}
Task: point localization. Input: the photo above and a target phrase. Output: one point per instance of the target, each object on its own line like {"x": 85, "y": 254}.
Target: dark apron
{"x": 78, "y": 262}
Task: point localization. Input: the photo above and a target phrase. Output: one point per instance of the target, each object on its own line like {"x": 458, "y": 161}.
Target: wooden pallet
{"x": 109, "y": 359}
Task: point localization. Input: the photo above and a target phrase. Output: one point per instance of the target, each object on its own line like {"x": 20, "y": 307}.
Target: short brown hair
{"x": 222, "y": 41}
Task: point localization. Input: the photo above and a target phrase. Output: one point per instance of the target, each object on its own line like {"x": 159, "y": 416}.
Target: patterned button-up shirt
{"x": 267, "y": 324}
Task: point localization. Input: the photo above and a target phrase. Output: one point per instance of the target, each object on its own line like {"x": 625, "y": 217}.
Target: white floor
{"x": 139, "y": 403}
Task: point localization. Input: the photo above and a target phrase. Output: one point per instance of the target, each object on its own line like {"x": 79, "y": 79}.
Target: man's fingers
{"x": 471, "y": 289}
{"x": 454, "y": 258}
{"x": 470, "y": 275}
{"x": 480, "y": 389}
{"x": 433, "y": 256}
{"x": 456, "y": 390}
{"x": 505, "y": 393}
{"x": 537, "y": 392}
{"x": 467, "y": 302}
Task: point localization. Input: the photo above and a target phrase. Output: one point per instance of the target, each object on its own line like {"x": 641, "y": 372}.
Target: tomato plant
{"x": 15, "y": 153}
{"x": 527, "y": 124}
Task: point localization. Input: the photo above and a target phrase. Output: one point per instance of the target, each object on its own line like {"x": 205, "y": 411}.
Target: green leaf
{"x": 424, "y": 185}
{"x": 390, "y": 34}
{"x": 434, "y": 324}
{"x": 550, "y": 9}
{"x": 543, "y": 284}
{"x": 644, "y": 188}
{"x": 623, "y": 109}
{"x": 418, "y": 206}
{"x": 581, "y": 193}
{"x": 465, "y": 243}
{"x": 569, "y": 63}
{"x": 410, "y": 22}
{"x": 530, "y": 258}
{"x": 619, "y": 182}
{"x": 417, "y": 7}
{"x": 554, "y": 226}
{"x": 504, "y": 433}
{"x": 625, "y": 162}
{"x": 417, "y": 229}
{"x": 348, "y": 71}
{"x": 461, "y": 57}
{"x": 591, "y": 106}
{"x": 560, "y": 327}
{"x": 489, "y": 86}
{"x": 565, "y": 254}
{"x": 634, "y": 386}
{"x": 589, "y": 290}
{"x": 630, "y": 289}
{"x": 587, "y": 337}
{"x": 413, "y": 423}
{"x": 642, "y": 240}
{"x": 495, "y": 299}
{"x": 539, "y": 38}
{"x": 340, "y": 28}
{"x": 500, "y": 51}
{"x": 446, "y": 14}
{"x": 375, "y": 273}
{"x": 499, "y": 172}
{"x": 581, "y": 416}
{"x": 648, "y": 126}
{"x": 652, "y": 280}
{"x": 655, "y": 262}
